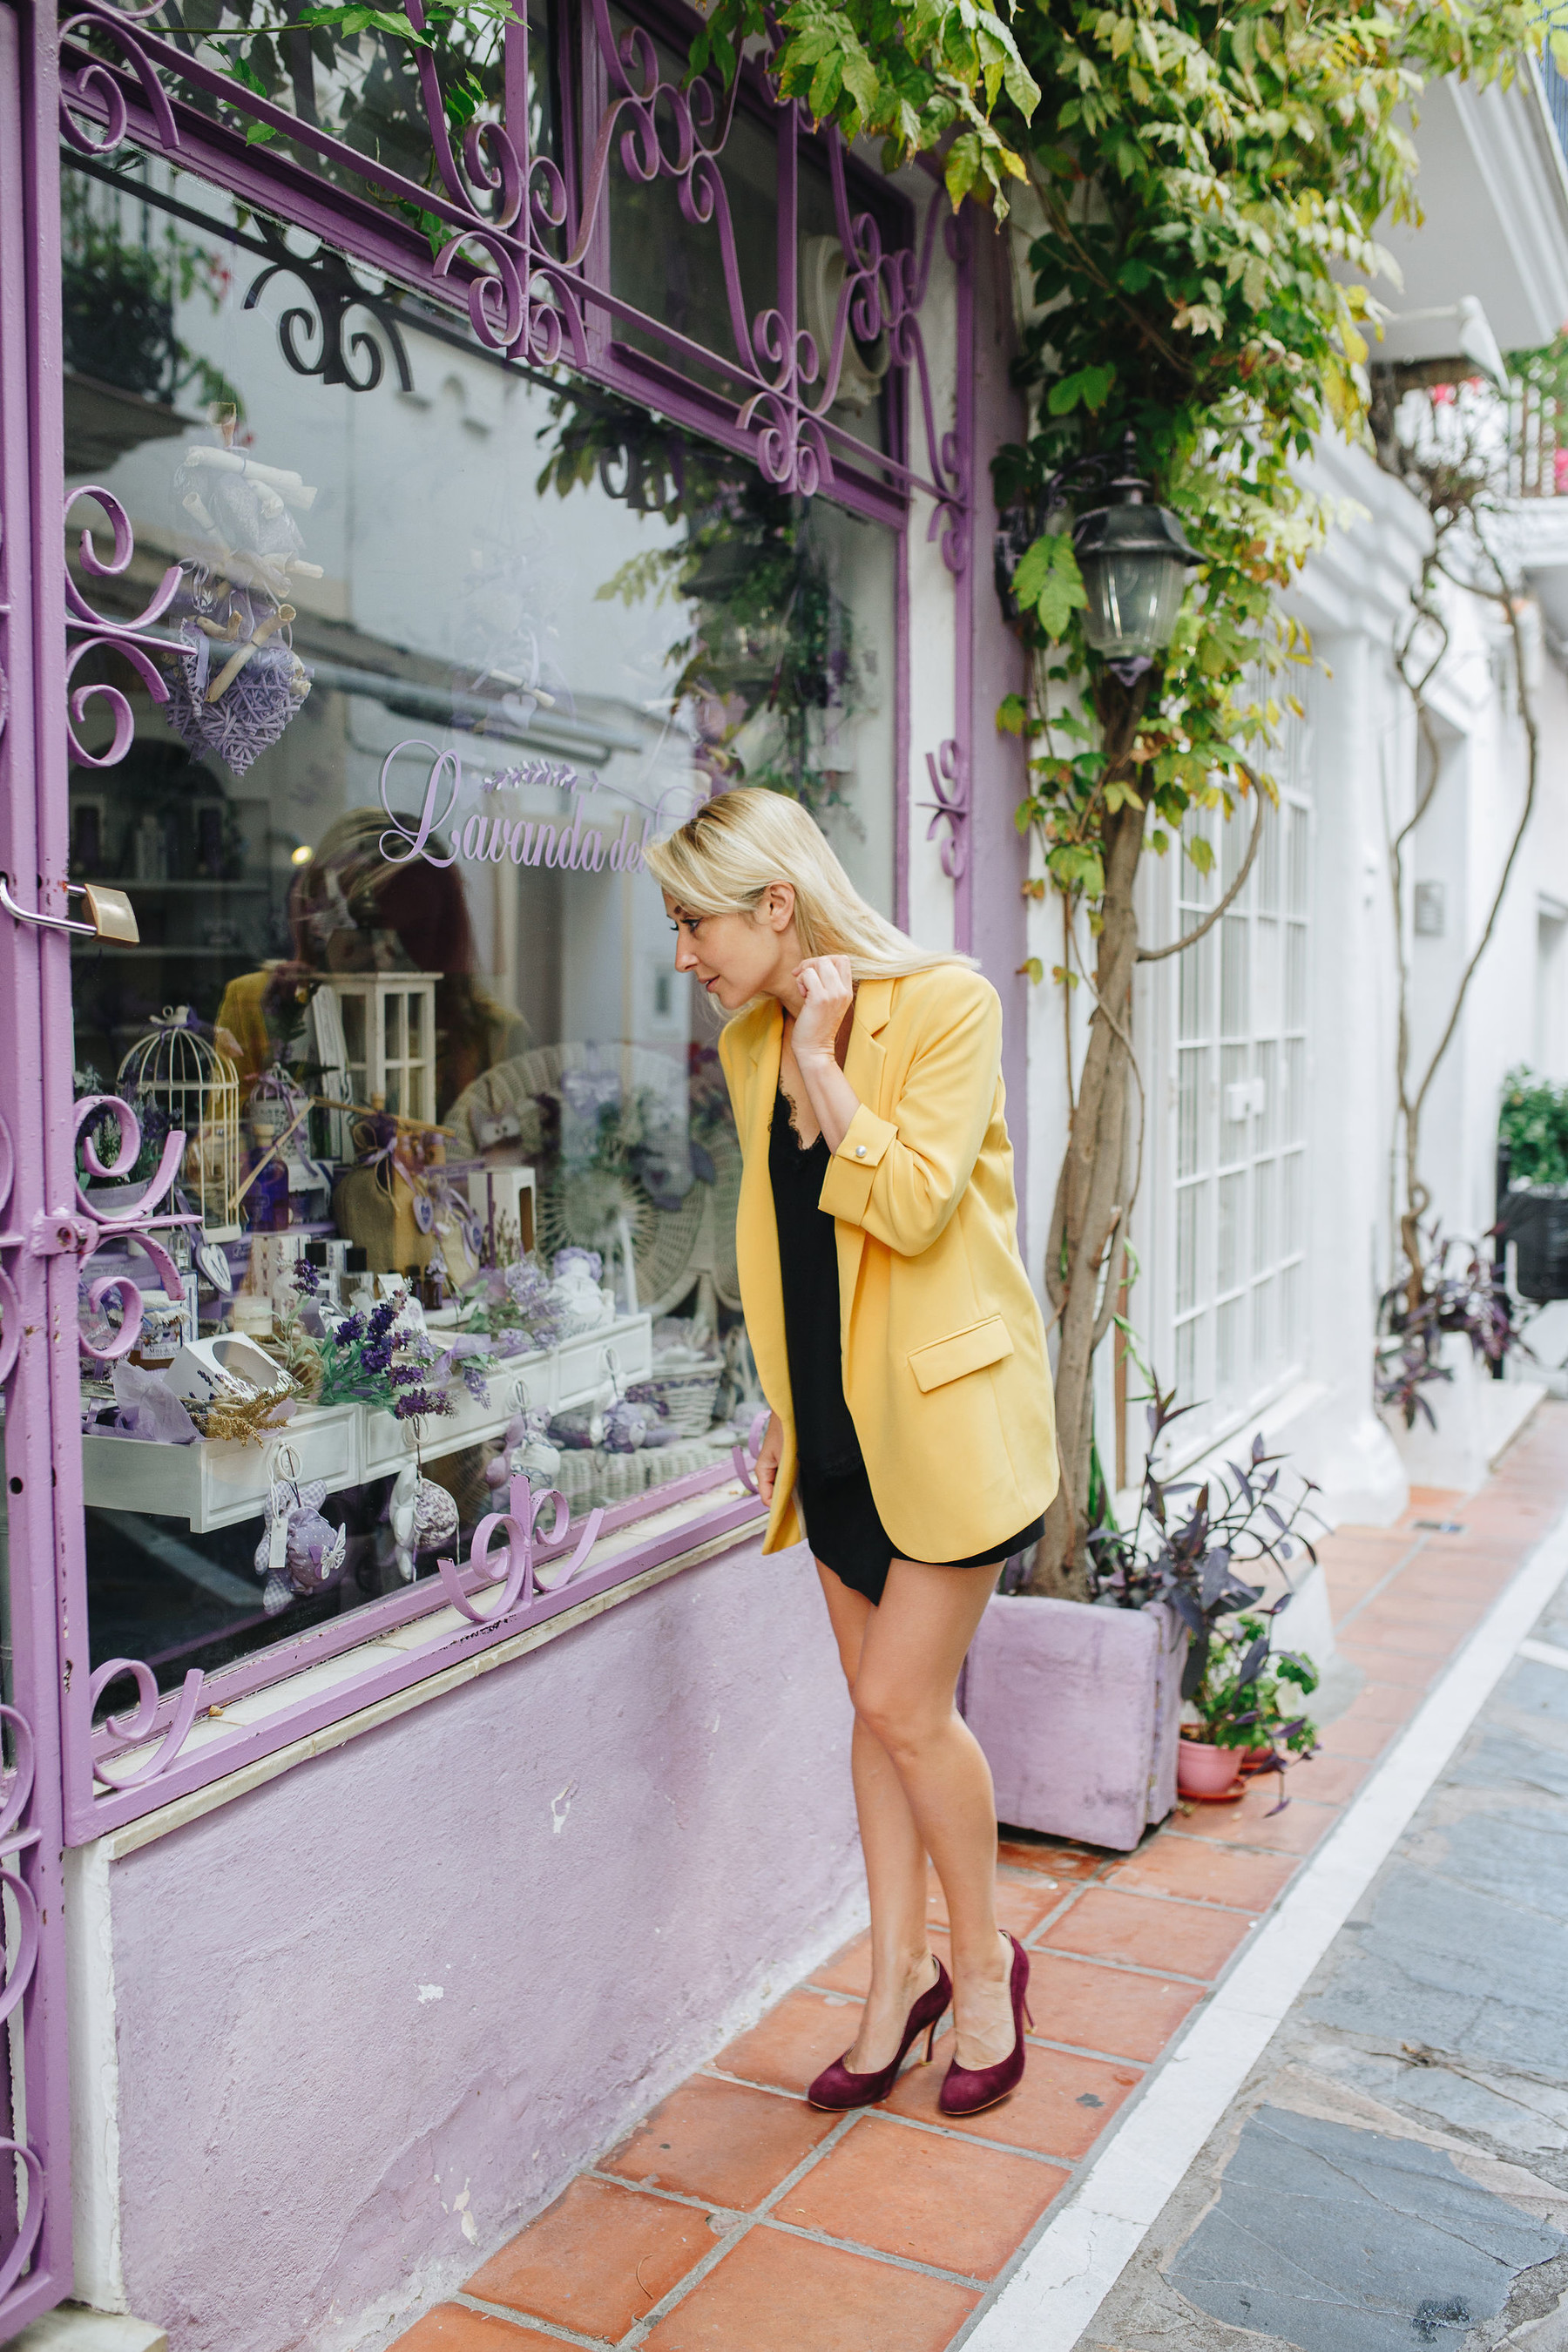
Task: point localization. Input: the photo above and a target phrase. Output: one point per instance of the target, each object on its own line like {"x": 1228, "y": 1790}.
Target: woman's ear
{"x": 778, "y": 906}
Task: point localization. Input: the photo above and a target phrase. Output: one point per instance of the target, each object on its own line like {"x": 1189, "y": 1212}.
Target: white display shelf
{"x": 215, "y": 1485}
{"x": 218, "y": 1485}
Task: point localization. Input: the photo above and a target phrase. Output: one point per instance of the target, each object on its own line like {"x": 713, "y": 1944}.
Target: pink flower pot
{"x": 1202, "y": 1771}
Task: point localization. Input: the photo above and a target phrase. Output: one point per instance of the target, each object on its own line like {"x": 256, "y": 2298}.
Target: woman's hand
{"x": 829, "y": 993}
{"x": 769, "y": 1458}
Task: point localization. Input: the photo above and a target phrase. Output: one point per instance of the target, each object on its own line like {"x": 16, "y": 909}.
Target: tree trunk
{"x": 1089, "y": 1217}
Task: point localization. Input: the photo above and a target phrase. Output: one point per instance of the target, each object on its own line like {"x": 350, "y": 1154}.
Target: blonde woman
{"x": 903, "y": 1356}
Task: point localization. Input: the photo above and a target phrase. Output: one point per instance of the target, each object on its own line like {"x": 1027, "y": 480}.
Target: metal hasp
{"x": 112, "y": 915}
{"x": 1134, "y": 557}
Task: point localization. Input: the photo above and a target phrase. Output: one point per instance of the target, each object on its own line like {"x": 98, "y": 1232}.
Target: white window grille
{"x": 1229, "y": 1222}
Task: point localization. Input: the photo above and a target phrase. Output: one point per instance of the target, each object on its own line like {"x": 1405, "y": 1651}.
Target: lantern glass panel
{"x": 1133, "y": 601}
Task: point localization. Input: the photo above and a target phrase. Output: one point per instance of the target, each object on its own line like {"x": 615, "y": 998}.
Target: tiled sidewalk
{"x": 736, "y": 2218}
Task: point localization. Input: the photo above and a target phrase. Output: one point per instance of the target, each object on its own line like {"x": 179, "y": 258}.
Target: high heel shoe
{"x": 968, "y": 2090}
{"x": 837, "y": 2088}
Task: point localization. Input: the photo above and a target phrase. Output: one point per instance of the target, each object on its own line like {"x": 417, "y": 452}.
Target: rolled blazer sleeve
{"x": 902, "y": 1179}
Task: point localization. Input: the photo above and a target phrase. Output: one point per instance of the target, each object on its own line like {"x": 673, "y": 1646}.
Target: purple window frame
{"x": 117, "y": 79}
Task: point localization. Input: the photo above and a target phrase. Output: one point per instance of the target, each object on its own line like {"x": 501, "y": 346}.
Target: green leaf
{"x": 1090, "y": 385}
{"x": 963, "y": 168}
{"x": 1013, "y": 716}
{"x": 351, "y": 19}
{"x": 1049, "y": 584}
{"x": 1033, "y": 969}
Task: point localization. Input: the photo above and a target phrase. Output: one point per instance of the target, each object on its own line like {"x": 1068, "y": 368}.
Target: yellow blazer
{"x": 945, "y": 1369}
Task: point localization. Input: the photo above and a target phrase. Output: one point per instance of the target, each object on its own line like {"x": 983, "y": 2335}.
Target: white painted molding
{"x": 70, "y": 2328}
{"x": 94, "y": 2079}
{"x": 1514, "y": 142}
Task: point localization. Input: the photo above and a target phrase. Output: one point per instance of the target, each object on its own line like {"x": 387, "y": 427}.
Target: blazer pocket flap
{"x": 964, "y": 1351}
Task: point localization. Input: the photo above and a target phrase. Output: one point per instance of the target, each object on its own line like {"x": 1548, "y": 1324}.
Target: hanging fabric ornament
{"x": 423, "y": 1517}
{"x": 237, "y": 681}
{"x": 300, "y": 1552}
{"x": 525, "y": 1448}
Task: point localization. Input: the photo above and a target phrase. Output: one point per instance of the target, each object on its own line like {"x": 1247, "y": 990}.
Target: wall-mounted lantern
{"x": 1134, "y": 558}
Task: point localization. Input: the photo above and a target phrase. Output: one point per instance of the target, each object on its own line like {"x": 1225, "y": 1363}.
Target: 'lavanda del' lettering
{"x": 495, "y": 840}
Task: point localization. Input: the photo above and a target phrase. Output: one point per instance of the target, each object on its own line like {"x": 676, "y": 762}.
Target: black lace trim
{"x": 789, "y": 1102}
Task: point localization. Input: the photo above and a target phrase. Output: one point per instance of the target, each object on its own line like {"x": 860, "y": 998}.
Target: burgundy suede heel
{"x": 837, "y": 2088}
{"x": 970, "y": 2089}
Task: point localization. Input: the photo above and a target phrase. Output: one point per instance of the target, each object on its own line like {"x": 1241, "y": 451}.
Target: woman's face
{"x": 737, "y": 956}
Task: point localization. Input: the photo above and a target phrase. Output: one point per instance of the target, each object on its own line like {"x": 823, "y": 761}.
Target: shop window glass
{"x": 445, "y": 652}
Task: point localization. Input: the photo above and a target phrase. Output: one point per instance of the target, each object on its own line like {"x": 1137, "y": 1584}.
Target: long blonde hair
{"x": 723, "y": 860}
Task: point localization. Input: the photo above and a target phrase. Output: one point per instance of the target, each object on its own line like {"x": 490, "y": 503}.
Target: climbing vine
{"x": 1197, "y": 185}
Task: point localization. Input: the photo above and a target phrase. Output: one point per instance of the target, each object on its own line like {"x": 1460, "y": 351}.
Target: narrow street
{"x": 1391, "y": 2170}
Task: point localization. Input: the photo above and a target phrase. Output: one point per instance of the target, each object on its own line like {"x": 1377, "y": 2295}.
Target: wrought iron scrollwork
{"x": 949, "y": 772}
{"x": 136, "y": 1222}
{"x": 100, "y": 633}
{"x": 17, "y": 1836}
{"x": 514, "y": 1567}
{"x": 141, "y": 1727}
{"x": 334, "y": 292}
{"x": 518, "y": 240}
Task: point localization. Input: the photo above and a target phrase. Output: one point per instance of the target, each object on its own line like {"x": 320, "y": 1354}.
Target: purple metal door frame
{"x": 38, "y": 1299}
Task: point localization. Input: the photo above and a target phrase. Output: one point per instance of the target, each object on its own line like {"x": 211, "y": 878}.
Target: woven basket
{"x": 620, "y": 1477}
{"x": 578, "y": 1480}
{"x": 672, "y": 1461}
{"x": 685, "y": 1392}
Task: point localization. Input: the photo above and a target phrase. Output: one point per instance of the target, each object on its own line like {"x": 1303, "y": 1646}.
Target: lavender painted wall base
{"x": 371, "y": 2017}
{"x": 1077, "y": 1708}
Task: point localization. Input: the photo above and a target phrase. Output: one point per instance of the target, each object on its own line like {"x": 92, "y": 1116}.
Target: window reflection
{"x": 445, "y": 651}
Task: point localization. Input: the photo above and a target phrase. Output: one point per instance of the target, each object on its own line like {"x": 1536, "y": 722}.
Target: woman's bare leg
{"x": 901, "y": 1965}
{"x": 911, "y": 1654}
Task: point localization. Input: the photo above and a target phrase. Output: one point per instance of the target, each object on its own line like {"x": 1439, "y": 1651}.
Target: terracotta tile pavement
{"x": 736, "y": 2218}
{"x": 600, "y": 2259}
{"x": 453, "y": 2328}
{"x": 924, "y": 2196}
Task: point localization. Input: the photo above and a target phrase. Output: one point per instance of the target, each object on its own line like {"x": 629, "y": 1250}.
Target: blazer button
{"x": 859, "y": 1151}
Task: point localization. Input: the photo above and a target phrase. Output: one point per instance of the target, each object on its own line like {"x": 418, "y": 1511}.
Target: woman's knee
{"x": 903, "y": 1724}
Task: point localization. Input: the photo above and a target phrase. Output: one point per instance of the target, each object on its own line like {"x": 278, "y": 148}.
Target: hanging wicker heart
{"x": 237, "y": 681}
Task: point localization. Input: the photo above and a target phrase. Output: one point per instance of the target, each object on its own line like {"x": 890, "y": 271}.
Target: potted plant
{"x": 1078, "y": 1709}
{"x": 1438, "y": 1301}
{"x": 1245, "y": 1715}
{"x": 1532, "y": 1132}
{"x": 1444, "y": 1328}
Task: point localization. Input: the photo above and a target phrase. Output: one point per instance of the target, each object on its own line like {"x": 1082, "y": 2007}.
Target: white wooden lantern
{"x": 389, "y": 1035}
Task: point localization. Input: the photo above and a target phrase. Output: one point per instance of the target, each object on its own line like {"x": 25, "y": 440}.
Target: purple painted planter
{"x": 1077, "y": 1709}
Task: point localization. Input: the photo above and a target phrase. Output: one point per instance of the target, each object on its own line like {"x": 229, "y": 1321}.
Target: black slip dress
{"x": 842, "y": 1523}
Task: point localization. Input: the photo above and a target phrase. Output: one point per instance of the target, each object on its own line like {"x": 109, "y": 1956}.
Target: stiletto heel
{"x": 836, "y": 2088}
{"x": 967, "y": 2090}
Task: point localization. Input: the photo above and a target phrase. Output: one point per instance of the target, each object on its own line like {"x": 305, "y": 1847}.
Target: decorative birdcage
{"x": 181, "y": 1074}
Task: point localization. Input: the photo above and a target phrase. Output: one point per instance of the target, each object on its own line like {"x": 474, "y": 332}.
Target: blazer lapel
{"x": 863, "y": 1062}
